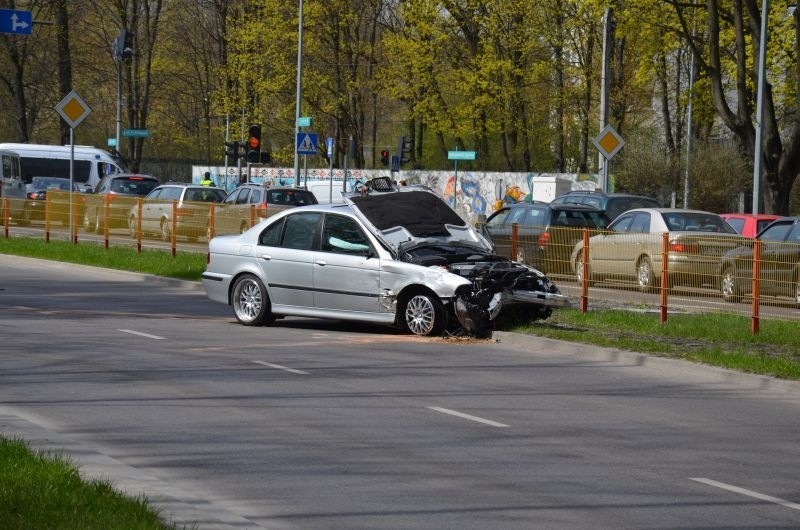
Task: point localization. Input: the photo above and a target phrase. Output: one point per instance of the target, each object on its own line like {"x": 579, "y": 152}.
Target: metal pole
{"x": 227, "y": 135}
{"x": 608, "y": 21}
{"x": 688, "y": 135}
{"x": 762, "y": 54}
{"x": 298, "y": 99}
{"x": 119, "y": 104}
{"x": 71, "y": 182}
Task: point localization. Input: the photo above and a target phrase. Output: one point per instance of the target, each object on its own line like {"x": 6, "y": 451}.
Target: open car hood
{"x": 405, "y": 218}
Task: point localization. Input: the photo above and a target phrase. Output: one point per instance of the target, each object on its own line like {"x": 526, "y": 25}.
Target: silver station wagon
{"x": 400, "y": 257}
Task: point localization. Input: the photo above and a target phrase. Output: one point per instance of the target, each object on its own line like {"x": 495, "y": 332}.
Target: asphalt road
{"x": 311, "y": 424}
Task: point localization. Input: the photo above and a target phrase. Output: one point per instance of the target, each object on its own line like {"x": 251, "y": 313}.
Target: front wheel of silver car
{"x": 423, "y": 314}
{"x": 728, "y": 287}
{"x": 250, "y": 301}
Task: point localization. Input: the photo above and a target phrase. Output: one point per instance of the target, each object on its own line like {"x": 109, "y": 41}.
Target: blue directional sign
{"x": 307, "y": 143}
{"x": 16, "y": 22}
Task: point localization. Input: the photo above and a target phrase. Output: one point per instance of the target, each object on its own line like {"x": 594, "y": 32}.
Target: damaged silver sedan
{"x": 401, "y": 257}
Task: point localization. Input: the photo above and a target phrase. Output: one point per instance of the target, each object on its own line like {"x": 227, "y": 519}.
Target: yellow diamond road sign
{"x": 73, "y": 109}
{"x": 608, "y": 142}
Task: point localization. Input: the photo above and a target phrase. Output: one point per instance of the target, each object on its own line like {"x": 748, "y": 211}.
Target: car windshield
{"x": 696, "y": 222}
{"x": 133, "y": 185}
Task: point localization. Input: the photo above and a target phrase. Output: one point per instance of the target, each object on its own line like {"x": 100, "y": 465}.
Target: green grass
{"x": 185, "y": 265}
{"x": 39, "y": 491}
{"x": 716, "y": 339}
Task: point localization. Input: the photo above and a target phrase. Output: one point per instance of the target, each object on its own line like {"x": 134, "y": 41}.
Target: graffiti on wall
{"x": 470, "y": 193}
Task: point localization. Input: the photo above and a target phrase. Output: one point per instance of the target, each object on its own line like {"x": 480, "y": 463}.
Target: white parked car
{"x": 401, "y": 257}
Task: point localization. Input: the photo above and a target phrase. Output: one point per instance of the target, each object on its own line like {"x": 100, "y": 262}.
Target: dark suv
{"x": 234, "y": 215}
{"x": 122, "y": 190}
{"x": 546, "y": 232}
{"x": 612, "y": 203}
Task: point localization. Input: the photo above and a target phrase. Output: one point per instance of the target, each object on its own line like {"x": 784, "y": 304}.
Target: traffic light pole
{"x": 298, "y": 99}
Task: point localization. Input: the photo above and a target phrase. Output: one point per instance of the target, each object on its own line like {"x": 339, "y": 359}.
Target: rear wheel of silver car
{"x": 166, "y": 230}
{"x": 251, "y": 303}
{"x": 423, "y": 314}
{"x": 728, "y": 287}
{"x": 645, "y": 276}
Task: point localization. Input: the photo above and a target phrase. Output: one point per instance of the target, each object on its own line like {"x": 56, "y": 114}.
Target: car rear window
{"x": 291, "y": 197}
{"x": 133, "y": 185}
{"x": 578, "y": 218}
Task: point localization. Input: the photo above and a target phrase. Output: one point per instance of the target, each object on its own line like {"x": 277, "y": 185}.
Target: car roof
{"x": 668, "y": 210}
{"x": 558, "y": 206}
{"x": 750, "y": 216}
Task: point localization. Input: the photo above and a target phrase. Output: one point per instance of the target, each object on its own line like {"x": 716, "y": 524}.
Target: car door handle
{"x": 266, "y": 257}
{"x": 321, "y": 263}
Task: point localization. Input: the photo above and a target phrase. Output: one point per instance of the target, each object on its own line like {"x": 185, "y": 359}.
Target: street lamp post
{"x": 298, "y": 99}
{"x": 762, "y": 54}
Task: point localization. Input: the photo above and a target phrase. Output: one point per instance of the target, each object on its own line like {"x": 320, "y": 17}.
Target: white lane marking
{"x": 749, "y": 493}
{"x": 149, "y": 336}
{"x": 468, "y": 416}
{"x": 284, "y": 368}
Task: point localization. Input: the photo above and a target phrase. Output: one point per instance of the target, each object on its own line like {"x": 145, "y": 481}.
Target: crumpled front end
{"x": 503, "y": 288}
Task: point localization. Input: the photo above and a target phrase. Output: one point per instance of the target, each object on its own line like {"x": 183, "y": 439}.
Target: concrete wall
{"x": 478, "y": 192}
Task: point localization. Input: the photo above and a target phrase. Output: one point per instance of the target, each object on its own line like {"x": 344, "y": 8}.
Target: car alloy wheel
{"x": 645, "y": 276}
{"x": 579, "y": 270}
{"x": 251, "y": 304}
{"x": 424, "y": 315}
{"x": 87, "y": 223}
{"x": 727, "y": 285}
{"x": 797, "y": 291}
{"x": 166, "y": 230}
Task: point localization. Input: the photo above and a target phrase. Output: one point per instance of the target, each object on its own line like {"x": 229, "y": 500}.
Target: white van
{"x": 325, "y": 193}
{"x": 91, "y": 164}
{"x": 12, "y": 187}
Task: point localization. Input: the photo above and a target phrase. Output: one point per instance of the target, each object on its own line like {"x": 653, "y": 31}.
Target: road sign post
{"x": 16, "y": 22}
{"x": 455, "y": 156}
{"x": 73, "y": 110}
{"x": 608, "y": 142}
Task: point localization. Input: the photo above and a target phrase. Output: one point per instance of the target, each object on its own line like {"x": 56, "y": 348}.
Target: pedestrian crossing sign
{"x": 307, "y": 143}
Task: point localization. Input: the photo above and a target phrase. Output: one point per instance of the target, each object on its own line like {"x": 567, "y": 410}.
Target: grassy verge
{"x": 185, "y": 265}
{"x": 710, "y": 338}
{"x": 37, "y": 491}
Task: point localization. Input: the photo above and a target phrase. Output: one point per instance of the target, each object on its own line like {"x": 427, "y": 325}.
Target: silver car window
{"x": 300, "y": 230}
{"x": 776, "y": 232}
{"x": 343, "y": 236}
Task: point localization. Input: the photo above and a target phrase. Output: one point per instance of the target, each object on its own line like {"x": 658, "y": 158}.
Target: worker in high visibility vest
{"x": 207, "y": 180}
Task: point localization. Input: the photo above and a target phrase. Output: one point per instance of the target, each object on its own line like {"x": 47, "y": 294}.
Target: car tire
{"x": 166, "y": 230}
{"x": 797, "y": 289}
{"x": 87, "y": 221}
{"x": 251, "y": 304}
{"x": 422, "y": 314}
{"x": 520, "y": 258}
{"x": 579, "y": 271}
{"x": 728, "y": 287}
{"x": 645, "y": 276}
{"x": 132, "y": 226}
{"x": 98, "y": 224}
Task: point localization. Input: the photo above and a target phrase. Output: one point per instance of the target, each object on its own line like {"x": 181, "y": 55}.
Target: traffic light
{"x": 253, "y": 146}
{"x": 406, "y": 147}
{"x": 233, "y": 150}
{"x": 123, "y": 45}
{"x": 385, "y": 157}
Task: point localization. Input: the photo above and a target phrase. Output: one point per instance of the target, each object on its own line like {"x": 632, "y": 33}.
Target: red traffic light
{"x": 254, "y": 138}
